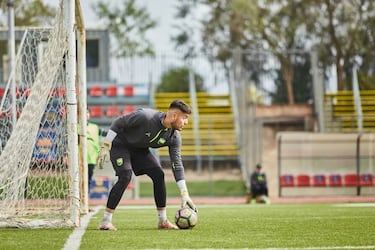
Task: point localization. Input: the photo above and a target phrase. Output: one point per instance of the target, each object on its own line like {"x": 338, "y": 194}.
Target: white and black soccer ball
{"x": 186, "y": 218}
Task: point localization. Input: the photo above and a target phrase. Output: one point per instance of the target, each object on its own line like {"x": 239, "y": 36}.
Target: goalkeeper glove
{"x": 186, "y": 201}
{"x": 105, "y": 146}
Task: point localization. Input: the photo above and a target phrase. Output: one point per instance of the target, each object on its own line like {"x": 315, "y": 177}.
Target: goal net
{"x": 38, "y": 175}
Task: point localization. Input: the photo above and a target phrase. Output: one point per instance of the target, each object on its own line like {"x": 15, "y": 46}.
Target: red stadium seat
{"x": 96, "y": 111}
{"x": 113, "y": 111}
{"x": 62, "y": 111}
{"x": 335, "y": 180}
{"x": 128, "y": 109}
{"x": 61, "y": 91}
{"x": 351, "y": 180}
{"x": 287, "y": 180}
{"x": 22, "y": 92}
{"x": 27, "y": 92}
{"x": 303, "y": 180}
{"x": 2, "y": 92}
{"x": 111, "y": 91}
{"x": 18, "y": 92}
{"x": 319, "y": 180}
{"x": 129, "y": 90}
{"x": 96, "y": 91}
{"x": 366, "y": 180}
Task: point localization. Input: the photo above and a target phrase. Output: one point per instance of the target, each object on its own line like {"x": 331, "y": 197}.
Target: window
{"x": 92, "y": 53}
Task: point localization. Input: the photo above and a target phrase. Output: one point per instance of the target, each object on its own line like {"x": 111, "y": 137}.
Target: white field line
{"x": 355, "y": 205}
{"x": 283, "y": 248}
{"x": 74, "y": 240}
{"x": 317, "y": 248}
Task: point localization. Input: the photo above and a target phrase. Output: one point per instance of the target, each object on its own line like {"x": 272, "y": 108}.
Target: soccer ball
{"x": 186, "y": 218}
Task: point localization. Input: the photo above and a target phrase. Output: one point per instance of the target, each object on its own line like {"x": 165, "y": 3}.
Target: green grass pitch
{"x": 275, "y": 226}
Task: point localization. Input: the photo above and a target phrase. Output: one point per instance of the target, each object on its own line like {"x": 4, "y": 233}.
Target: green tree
{"x": 344, "y": 36}
{"x": 278, "y": 26}
{"x": 186, "y": 28}
{"x": 339, "y": 29}
{"x": 177, "y": 80}
{"x": 128, "y": 23}
{"x": 29, "y": 13}
{"x": 252, "y": 25}
{"x": 302, "y": 82}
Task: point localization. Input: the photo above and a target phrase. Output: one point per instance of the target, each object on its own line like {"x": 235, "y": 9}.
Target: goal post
{"x": 82, "y": 106}
{"x": 42, "y": 170}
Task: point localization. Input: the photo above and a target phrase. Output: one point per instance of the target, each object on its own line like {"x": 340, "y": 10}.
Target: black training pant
{"x": 140, "y": 161}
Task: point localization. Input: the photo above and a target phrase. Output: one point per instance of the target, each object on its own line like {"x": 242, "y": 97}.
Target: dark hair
{"x": 178, "y": 104}
{"x": 258, "y": 166}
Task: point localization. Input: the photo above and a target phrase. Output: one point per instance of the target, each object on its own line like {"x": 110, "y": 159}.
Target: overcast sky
{"x": 163, "y": 12}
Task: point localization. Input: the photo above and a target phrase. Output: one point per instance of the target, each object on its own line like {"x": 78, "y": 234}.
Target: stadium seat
{"x": 129, "y": 90}
{"x": 111, "y": 91}
{"x": 113, "y": 111}
{"x": 351, "y": 180}
{"x": 18, "y": 92}
{"x": 366, "y": 180}
{"x": 335, "y": 180}
{"x": 303, "y": 180}
{"x": 60, "y": 91}
{"x": 96, "y": 111}
{"x": 27, "y": 92}
{"x": 96, "y": 91}
{"x": 287, "y": 181}
{"x": 319, "y": 180}
{"x": 2, "y": 91}
{"x": 62, "y": 112}
{"x": 128, "y": 109}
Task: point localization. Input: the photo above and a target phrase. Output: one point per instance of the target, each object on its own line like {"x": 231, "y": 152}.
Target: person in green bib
{"x": 94, "y": 134}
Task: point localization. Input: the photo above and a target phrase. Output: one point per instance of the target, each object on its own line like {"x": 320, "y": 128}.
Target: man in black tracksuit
{"x": 258, "y": 185}
{"x": 129, "y": 140}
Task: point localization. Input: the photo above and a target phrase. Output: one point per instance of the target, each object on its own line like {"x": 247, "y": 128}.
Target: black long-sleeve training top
{"x": 144, "y": 129}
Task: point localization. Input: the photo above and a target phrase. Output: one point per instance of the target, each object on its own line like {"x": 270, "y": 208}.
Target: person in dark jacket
{"x": 258, "y": 186}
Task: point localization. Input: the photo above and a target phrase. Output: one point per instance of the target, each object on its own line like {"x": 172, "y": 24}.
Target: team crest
{"x": 161, "y": 141}
{"x": 119, "y": 162}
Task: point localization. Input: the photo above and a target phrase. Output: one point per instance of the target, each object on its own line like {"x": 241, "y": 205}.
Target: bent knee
{"x": 156, "y": 174}
{"x": 124, "y": 177}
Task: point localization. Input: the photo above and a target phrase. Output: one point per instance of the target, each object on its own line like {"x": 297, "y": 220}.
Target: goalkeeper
{"x": 129, "y": 140}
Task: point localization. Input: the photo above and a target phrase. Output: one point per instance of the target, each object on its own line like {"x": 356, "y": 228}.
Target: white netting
{"x": 34, "y": 178}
